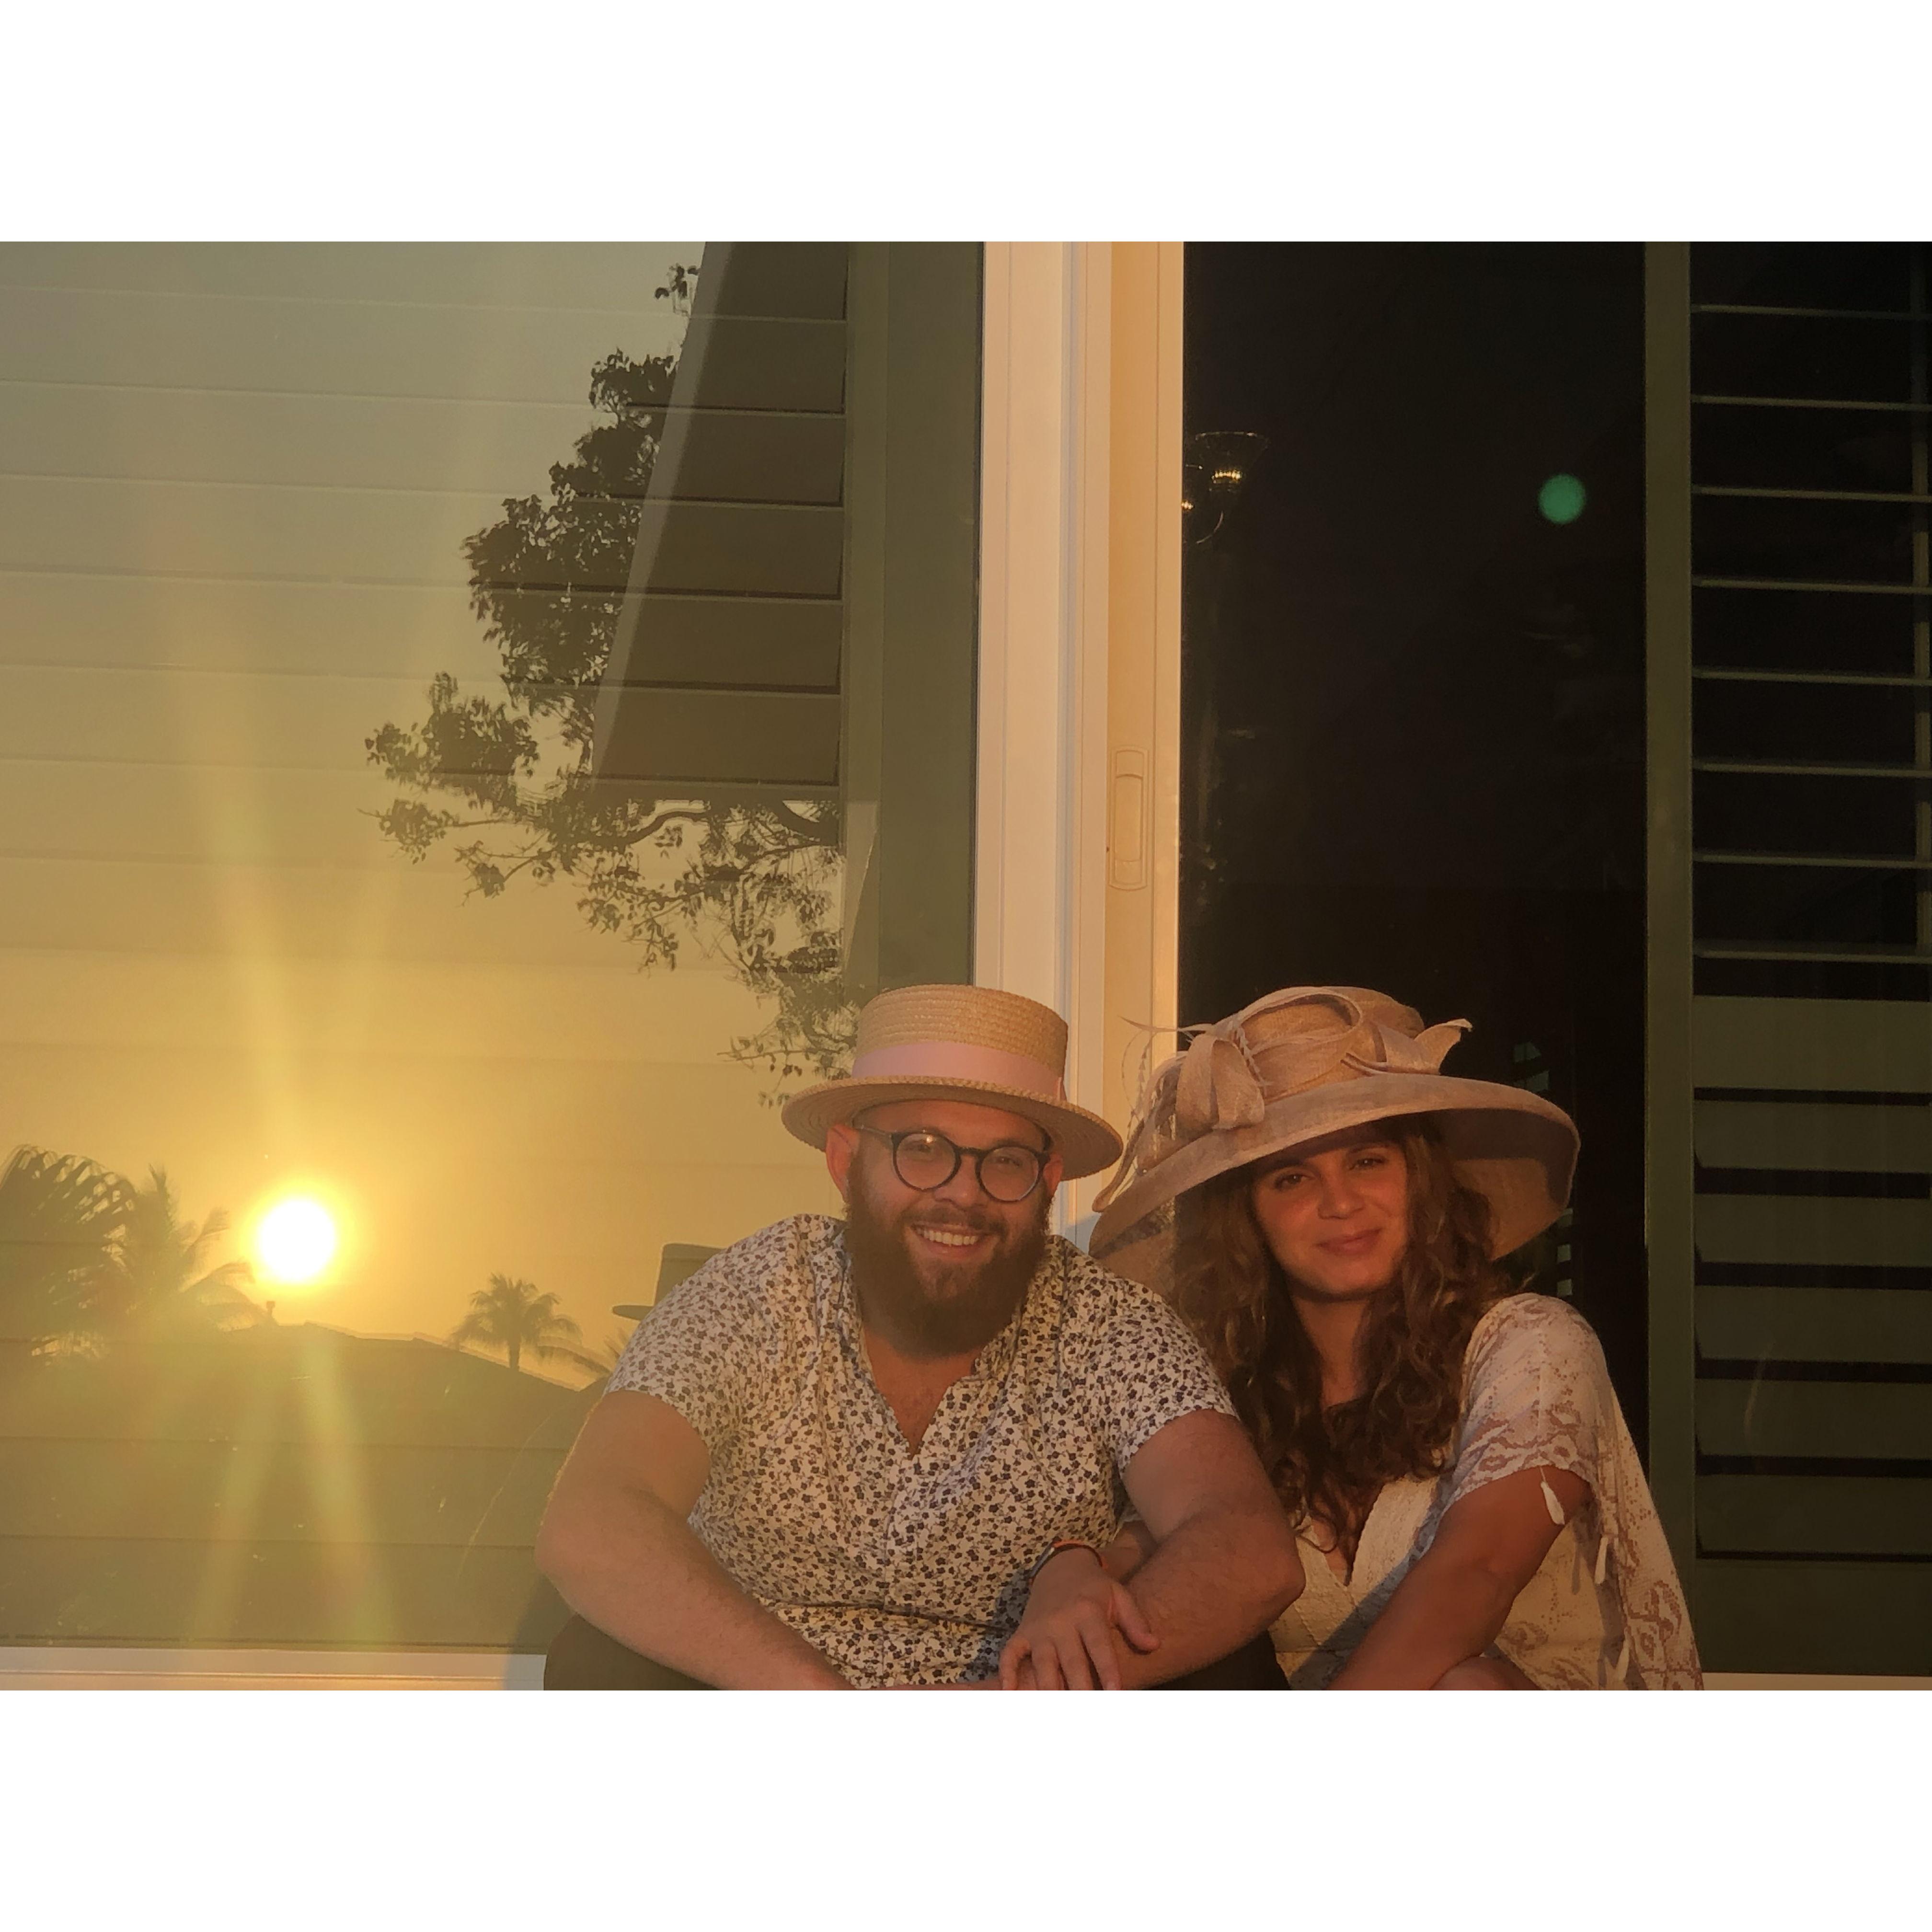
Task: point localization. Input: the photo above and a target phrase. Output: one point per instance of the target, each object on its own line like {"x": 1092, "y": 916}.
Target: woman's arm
{"x": 1453, "y": 1603}
{"x": 1064, "y": 1640}
{"x": 1222, "y": 1564}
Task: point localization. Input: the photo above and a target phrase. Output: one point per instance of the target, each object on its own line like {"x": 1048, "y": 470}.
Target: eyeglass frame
{"x": 1041, "y": 1156}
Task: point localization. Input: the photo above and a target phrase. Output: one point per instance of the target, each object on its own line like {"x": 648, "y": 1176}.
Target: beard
{"x": 941, "y": 1308}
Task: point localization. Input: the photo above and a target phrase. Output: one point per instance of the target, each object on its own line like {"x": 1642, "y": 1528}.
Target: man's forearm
{"x": 641, "y": 1576}
{"x": 1217, "y": 1580}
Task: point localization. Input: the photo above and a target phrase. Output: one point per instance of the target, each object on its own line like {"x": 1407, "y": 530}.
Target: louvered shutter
{"x": 1811, "y": 641}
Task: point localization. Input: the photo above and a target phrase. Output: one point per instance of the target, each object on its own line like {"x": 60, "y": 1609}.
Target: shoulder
{"x": 1096, "y": 1299}
{"x": 770, "y": 1275}
{"x": 1137, "y": 1365}
{"x": 1549, "y": 1319}
{"x": 1533, "y": 1333}
{"x": 1106, "y": 1315}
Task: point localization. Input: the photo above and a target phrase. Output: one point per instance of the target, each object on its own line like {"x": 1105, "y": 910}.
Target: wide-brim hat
{"x": 1307, "y": 1062}
{"x": 977, "y": 1044}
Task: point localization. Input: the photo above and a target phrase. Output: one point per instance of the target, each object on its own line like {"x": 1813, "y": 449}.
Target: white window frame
{"x": 1078, "y": 811}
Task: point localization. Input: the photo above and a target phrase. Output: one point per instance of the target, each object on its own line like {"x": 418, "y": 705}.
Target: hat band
{"x": 954, "y": 1059}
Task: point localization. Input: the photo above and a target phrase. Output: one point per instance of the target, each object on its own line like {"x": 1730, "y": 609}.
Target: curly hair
{"x": 1328, "y": 1465}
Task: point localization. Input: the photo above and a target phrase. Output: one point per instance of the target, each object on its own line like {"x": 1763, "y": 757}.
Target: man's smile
{"x": 955, "y": 1238}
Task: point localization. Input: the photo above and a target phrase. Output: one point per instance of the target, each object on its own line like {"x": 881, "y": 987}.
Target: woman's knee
{"x": 1484, "y": 1673}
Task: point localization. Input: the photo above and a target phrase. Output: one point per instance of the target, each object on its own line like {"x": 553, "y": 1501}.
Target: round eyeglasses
{"x": 925, "y": 1161}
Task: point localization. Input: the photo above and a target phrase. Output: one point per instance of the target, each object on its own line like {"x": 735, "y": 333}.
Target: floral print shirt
{"x": 907, "y": 1566}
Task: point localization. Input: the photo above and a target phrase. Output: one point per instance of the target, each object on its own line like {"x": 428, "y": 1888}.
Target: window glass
{"x": 473, "y": 721}
{"x": 1413, "y": 677}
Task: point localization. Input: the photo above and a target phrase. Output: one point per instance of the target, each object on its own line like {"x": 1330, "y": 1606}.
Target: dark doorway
{"x": 1413, "y": 705}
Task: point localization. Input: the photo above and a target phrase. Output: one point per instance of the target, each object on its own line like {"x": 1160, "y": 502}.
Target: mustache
{"x": 955, "y": 1221}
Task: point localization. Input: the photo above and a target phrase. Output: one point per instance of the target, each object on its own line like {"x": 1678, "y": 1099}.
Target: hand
{"x": 1067, "y": 1638}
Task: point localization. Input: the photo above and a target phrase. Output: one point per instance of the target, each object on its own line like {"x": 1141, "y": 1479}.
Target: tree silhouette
{"x": 154, "y": 1275}
{"x": 511, "y": 1316}
{"x": 602, "y": 1357}
{"x": 751, "y": 883}
{"x": 677, "y": 290}
{"x": 60, "y": 1216}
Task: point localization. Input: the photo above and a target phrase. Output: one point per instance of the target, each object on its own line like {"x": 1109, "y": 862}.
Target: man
{"x": 837, "y": 1454}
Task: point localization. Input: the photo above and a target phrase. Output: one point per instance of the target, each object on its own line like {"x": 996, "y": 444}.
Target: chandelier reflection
{"x": 1216, "y": 463}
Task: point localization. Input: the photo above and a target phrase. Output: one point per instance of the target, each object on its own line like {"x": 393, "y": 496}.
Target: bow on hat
{"x": 1228, "y": 1073}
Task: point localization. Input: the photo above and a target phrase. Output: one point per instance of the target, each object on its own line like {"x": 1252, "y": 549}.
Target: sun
{"x": 296, "y": 1240}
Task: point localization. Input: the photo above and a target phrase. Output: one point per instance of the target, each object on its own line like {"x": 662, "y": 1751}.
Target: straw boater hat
{"x": 1307, "y": 1062}
{"x": 970, "y": 1043}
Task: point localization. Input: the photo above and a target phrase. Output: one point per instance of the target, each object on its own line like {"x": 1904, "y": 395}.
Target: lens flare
{"x": 1561, "y": 499}
{"x": 296, "y": 1240}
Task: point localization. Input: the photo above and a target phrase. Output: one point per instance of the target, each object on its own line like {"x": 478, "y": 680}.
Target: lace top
{"x": 1604, "y": 1610}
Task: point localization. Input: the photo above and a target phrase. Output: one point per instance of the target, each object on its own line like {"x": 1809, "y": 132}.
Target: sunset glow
{"x": 295, "y": 1240}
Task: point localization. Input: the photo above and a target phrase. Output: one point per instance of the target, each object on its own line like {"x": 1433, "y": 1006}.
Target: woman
{"x": 1327, "y": 1210}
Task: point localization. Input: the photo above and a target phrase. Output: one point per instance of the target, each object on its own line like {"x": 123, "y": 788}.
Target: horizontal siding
{"x": 105, "y": 1002}
{"x": 337, "y": 1393}
{"x": 1814, "y": 1324}
{"x": 233, "y": 530}
{"x": 708, "y": 738}
{"x": 739, "y": 456}
{"x": 132, "y": 341}
{"x": 240, "y": 815}
{"x": 316, "y": 631}
{"x": 275, "y": 1492}
{"x": 716, "y": 641}
{"x": 789, "y": 279}
{"x": 1843, "y": 1618}
{"x": 742, "y": 550}
{"x": 279, "y": 441}
{"x": 539, "y": 278}
{"x": 751, "y": 362}
{"x": 1878, "y": 1420}
{"x": 91, "y": 1589}
{"x": 622, "y": 1121}
{"x": 310, "y": 912}
{"x": 123, "y": 715}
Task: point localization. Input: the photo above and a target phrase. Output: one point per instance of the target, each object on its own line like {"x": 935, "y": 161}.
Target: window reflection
{"x": 369, "y": 1041}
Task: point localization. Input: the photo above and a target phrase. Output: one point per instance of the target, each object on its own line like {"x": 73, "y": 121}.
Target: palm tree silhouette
{"x": 155, "y": 1273}
{"x": 511, "y": 1316}
{"x": 60, "y": 1215}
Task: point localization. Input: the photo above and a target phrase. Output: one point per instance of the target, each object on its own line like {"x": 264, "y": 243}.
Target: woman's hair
{"x": 1232, "y": 1292}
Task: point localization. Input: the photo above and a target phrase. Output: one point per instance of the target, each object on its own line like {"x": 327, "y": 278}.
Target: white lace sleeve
{"x": 1537, "y": 1394}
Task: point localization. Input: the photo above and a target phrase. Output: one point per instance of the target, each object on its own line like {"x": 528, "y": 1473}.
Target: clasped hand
{"x": 1077, "y": 1621}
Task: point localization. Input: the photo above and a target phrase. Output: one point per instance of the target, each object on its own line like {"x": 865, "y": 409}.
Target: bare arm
{"x": 1224, "y": 1564}
{"x": 616, "y": 1542}
{"x": 1128, "y": 1551}
{"x": 1223, "y": 1568}
{"x": 1451, "y": 1605}
{"x": 1077, "y": 1611}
